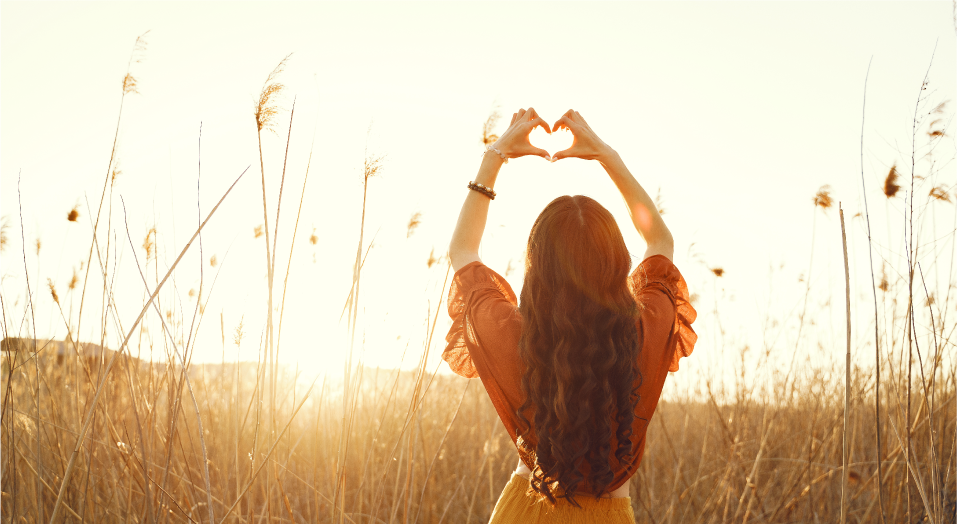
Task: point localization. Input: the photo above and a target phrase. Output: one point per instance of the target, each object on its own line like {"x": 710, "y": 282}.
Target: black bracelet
{"x": 482, "y": 189}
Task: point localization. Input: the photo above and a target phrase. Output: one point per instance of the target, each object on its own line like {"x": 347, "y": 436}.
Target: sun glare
{"x": 552, "y": 142}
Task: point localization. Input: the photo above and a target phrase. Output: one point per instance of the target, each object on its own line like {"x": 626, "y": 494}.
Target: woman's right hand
{"x": 586, "y": 144}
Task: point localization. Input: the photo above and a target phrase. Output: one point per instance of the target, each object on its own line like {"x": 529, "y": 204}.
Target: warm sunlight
{"x": 557, "y": 141}
{"x": 214, "y": 214}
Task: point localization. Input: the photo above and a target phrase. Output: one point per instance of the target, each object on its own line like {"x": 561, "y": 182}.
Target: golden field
{"x": 92, "y": 435}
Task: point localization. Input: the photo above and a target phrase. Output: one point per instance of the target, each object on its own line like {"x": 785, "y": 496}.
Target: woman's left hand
{"x": 515, "y": 141}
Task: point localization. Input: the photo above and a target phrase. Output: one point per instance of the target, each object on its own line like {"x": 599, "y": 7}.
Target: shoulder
{"x": 476, "y": 276}
{"x": 666, "y": 314}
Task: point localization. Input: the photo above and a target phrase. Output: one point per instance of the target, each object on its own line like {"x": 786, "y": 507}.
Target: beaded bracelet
{"x": 497, "y": 151}
{"x": 482, "y": 189}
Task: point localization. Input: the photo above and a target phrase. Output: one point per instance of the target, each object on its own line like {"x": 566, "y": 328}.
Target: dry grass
{"x": 119, "y": 439}
{"x": 698, "y": 455}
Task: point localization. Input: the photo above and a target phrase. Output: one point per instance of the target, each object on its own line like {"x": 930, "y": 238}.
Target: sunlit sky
{"x": 734, "y": 113}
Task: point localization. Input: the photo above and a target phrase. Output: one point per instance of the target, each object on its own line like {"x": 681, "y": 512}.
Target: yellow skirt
{"x": 514, "y": 506}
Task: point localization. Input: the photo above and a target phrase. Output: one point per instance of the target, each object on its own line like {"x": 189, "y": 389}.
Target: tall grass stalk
{"x": 36, "y": 359}
{"x": 876, "y": 313}
{"x": 99, "y": 390}
{"x": 353, "y": 300}
{"x": 911, "y": 256}
{"x": 265, "y": 115}
{"x": 847, "y": 429}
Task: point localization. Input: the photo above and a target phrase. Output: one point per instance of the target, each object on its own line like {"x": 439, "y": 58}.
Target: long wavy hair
{"x": 579, "y": 346}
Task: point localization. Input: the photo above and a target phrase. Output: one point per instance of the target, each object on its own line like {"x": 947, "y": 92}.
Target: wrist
{"x": 608, "y": 157}
{"x": 491, "y": 159}
{"x": 497, "y": 149}
{"x": 489, "y": 168}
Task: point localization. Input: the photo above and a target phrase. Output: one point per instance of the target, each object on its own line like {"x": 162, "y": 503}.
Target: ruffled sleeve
{"x": 485, "y": 321}
{"x": 665, "y": 307}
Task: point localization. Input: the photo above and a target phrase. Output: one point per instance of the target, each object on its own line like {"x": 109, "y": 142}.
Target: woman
{"x": 574, "y": 372}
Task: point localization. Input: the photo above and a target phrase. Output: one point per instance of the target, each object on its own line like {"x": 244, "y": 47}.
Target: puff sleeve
{"x": 665, "y": 309}
{"x": 486, "y": 322}
{"x": 484, "y": 338}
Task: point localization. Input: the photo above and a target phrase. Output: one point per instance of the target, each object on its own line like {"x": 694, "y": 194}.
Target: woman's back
{"x": 484, "y": 342}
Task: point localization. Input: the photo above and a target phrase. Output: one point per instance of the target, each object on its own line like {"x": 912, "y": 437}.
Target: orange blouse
{"x": 483, "y": 342}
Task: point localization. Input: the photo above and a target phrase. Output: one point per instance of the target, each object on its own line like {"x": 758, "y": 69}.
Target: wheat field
{"x": 99, "y": 435}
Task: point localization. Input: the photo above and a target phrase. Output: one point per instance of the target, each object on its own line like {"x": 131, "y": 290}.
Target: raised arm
{"x": 515, "y": 142}
{"x": 646, "y": 218}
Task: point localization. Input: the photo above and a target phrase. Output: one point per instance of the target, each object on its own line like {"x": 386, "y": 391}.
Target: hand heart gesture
{"x": 515, "y": 141}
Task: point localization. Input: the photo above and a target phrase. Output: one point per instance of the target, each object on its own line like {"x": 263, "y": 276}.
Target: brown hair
{"x": 579, "y": 346}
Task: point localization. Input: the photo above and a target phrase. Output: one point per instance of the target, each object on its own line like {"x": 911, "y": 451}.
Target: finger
{"x": 564, "y": 122}
{"x": 514, "y": 119}
{"x": 560, "y": 123}
{"x": 570, "y": 152}
{"x": 539, "y": 122}
{"x": 583, "y": 121}
{"x": 536, "y": 151}
{"x": 557, "y": 124}
{"x": 535, "y": 120}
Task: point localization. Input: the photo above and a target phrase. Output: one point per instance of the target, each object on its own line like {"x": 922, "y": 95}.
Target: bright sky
{"x": 735, "y": 113}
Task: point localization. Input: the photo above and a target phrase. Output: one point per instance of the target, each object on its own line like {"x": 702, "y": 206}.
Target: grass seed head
{"x": 488, "y": 137}
{"x": 658, "y": 202}
{"x": 4, "y": 237}
{"x": 38, "y": 244}
{"x": 414, "y": 222}
{"x": 149, "y": 242}
{"x": 718, "y": 271}
{"x": 238, "y": 333}
{"x": 941, "y": 192}
{"x": 258, "y": 231}
{"x": 313, "y": 237}
{"x": 431, "y": 260}
{"x": 266, "y": 110}
{"x": 890, "y": 187}
{"x": 213, "y": 261}
{"x": 129, "y": 84}
{"x": 136, "y": 56}
{"x": 372, "y": 165}
{"x": 73, "y": 214}
{"x": 53, "y": 291}
{"x": 73, "y": 280}
{"x": 823, "y": 199}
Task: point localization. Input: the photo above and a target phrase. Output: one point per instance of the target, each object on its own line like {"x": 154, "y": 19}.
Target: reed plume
{"x": 487, "y": 136}
{"x": 413, "y": 223}
{"x": 890, "y": 187}
{"x": 822, "y": 199}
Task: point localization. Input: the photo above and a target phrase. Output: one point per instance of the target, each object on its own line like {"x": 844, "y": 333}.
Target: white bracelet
{"x": 497, "y": 151}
